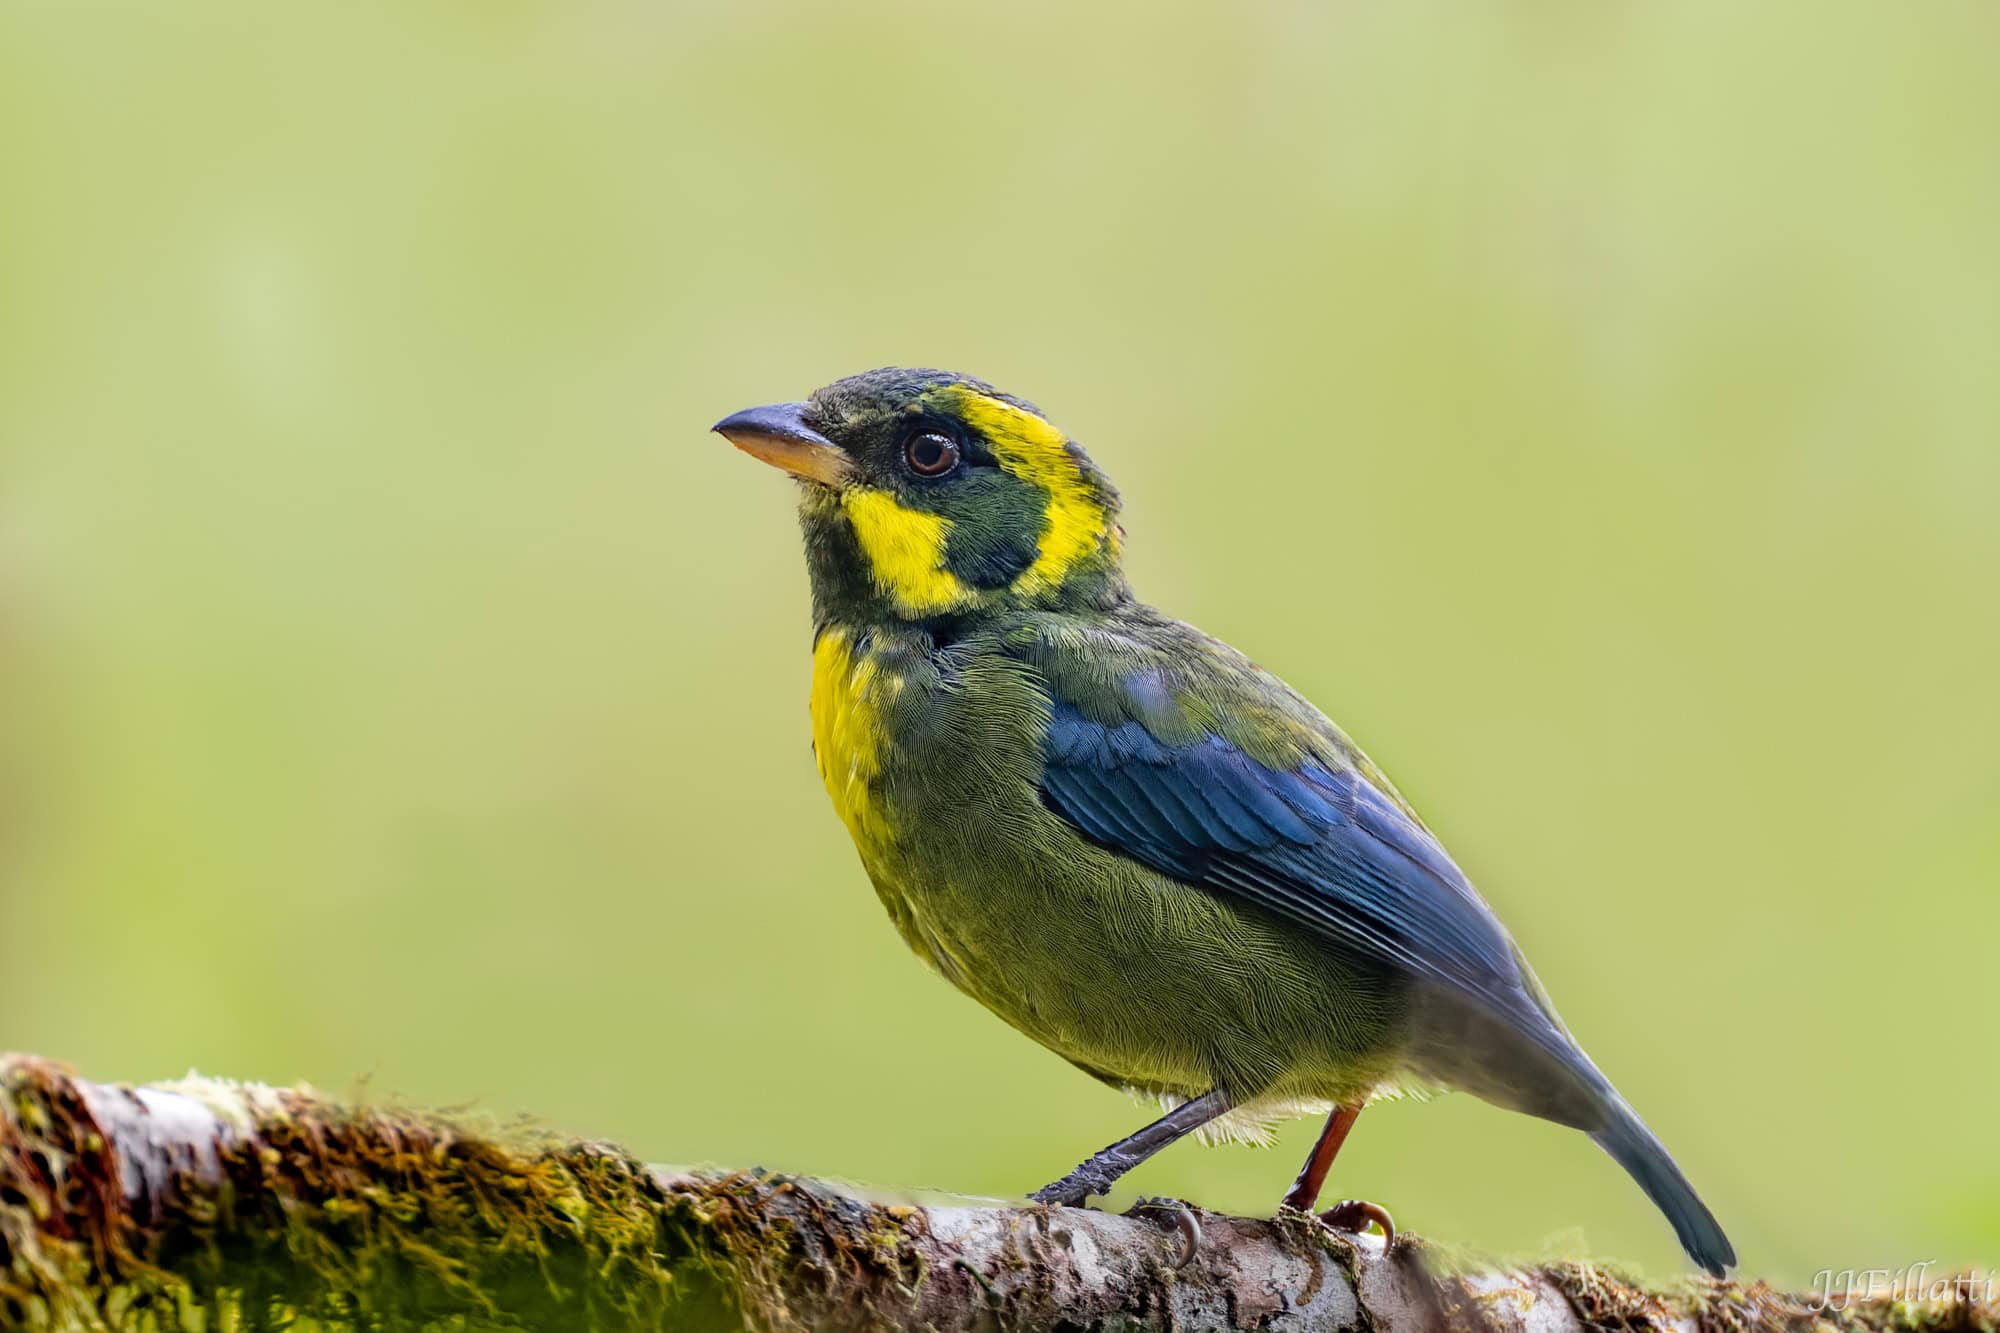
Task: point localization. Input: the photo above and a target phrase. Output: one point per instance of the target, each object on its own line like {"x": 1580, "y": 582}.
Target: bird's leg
{"x": 1353, "y": 1214}
{"x": 1097, "y": 1175}
{"x": 1304, "y": 1192}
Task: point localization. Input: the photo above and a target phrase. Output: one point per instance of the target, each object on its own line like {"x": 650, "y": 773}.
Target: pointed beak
{"x": 778, "y": 435}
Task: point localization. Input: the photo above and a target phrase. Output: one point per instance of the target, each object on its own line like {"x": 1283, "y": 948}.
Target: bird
{"x": 1123, "y": 836}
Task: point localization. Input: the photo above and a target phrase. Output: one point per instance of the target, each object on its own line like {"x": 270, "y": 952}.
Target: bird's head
{"x": 928, "y": 495}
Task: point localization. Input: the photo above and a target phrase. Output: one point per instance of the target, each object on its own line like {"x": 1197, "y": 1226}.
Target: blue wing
{"x": 1318, "y": 845}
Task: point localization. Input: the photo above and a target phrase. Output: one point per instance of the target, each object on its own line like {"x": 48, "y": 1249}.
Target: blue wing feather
{"x": 1323, "y": 848}
{"x": 1319, "y": 845}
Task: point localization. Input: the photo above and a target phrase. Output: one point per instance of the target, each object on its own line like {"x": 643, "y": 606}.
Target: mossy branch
{"x": 209, "y": 1205}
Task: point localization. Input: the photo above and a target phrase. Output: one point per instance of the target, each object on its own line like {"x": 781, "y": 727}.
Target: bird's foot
{"x": 1074, "y": 1188}
{"x": 1357, "y": 1215}
{"x": 1095, "y": 1176}
{"x": 1183, "y": 1219}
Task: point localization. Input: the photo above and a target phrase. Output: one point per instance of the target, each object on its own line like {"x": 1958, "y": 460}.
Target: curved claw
{"x": 1357, "y": 1215}
{"x": 1184, "y": 1221}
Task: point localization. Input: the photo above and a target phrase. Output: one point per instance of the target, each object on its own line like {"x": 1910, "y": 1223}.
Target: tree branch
{"x": 205, "y": 1205}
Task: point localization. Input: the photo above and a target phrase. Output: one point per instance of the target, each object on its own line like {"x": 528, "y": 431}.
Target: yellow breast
{"x": 848, "y": 735}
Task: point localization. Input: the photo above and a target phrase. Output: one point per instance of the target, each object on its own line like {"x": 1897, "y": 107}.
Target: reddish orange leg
{"x": 1304, "y": 1192}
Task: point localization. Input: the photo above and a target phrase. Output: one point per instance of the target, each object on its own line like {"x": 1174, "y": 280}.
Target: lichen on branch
{"x": 209, "y": 1205}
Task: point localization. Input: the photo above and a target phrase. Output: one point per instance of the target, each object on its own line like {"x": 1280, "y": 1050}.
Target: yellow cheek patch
{"x": 1034, "y": 451}
{"x": 847, "y": 735}
{"x": 905, "y": 550}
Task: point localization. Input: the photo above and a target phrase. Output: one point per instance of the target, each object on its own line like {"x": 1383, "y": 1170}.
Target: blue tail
{"x": 1633, "y": 1147}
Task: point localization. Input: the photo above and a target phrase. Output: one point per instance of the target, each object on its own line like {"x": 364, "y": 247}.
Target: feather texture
{"x": 1320, "y": 846}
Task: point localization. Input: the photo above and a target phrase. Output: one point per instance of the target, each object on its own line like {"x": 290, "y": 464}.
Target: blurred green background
{"x": 1592, "y": 405}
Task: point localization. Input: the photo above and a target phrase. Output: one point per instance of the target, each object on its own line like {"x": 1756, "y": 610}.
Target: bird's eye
{"x": 931, "y": 454}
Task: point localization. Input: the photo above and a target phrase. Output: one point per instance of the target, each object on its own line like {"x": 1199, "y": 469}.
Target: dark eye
{"x": 931, "y": 454}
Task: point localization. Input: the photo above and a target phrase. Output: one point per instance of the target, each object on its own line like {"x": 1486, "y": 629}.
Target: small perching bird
{"x": 1123, "y": 836}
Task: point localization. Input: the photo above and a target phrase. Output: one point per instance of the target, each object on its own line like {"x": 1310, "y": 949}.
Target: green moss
{"x": 1604, "y": 1298}
{"x": 338, "y": 1217}
{"x": 329, "y": 1218}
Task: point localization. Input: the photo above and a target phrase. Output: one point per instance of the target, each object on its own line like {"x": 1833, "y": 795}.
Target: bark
{"x": 209, "y": 1205}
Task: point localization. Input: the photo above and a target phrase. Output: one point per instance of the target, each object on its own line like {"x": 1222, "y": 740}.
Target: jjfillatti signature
{"x": 1838, "y": 1288}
